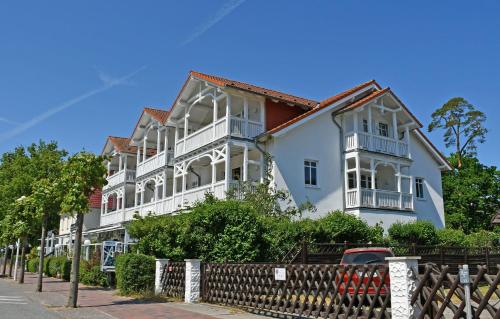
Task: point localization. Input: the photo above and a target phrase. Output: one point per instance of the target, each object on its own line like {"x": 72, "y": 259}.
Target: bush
{"x": 32, "y": 265}
{"x": 451, "y": 237}
{"x": 56, "y": 267}
{"x": 135, "y": 273}
{"x": 419, "y": 233}
{"x": 339, "y": 227}
{"x": 91, "y": 274}
{"x": 482, "y": 238}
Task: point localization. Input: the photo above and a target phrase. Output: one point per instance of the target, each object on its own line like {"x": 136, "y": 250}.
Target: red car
{"x": 359, "y": 257}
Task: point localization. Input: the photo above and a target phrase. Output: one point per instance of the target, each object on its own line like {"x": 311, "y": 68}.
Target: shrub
{"x": 32, "y": 265}
{"x": 54, "y": 266}
{"x": 338, "y": 227}
{"x": 91, "y": 274}
{"x": 419, "y": 232}
{"x": 482, "y": 238}
{"x": 64, "y": 268}
{"x": 451, "y": 237}
{"x": 135, "y": 273}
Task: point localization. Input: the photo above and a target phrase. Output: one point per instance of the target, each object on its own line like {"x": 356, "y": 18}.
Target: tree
{"x": 471, "y": 194}
{"x": 462, "y": 124}
{"x": 46, "y": 198}
{"x": 81, "y": 175}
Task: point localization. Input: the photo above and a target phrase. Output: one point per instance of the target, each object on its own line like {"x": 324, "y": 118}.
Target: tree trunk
{"x": 75, "y": 265}
{"x": 11, "y": 266}
{"x": 42, "y": 254}
{"x": 21, "y": 264}
{"x": 4, "y": 269}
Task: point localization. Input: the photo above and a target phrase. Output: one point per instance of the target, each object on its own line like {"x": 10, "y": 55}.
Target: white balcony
{"x": 120, "y": 177}
{"x": 375, "y": 143}
{"x": 155, "y": 162}
{"x": 238, "y": 127}
{"x": 378, "y": 198}
{"x": 111, "y": 218}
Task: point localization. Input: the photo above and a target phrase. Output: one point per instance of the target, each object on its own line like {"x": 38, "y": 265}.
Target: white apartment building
{"x": 360, "y": 151}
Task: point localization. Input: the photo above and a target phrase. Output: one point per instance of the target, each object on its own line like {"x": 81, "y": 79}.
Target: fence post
{"x": 305, "y": 253}
{"x": 193, "y": 276}
{"x": 160, "y": 265}
{"x": 402, "y": 271}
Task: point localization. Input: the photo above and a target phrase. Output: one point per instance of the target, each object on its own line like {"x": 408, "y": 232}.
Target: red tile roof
{"x": 325, "y": 103}
{"x": 159, "y": 115}
{"x": 95, "y": 199}
{"x": 363, "y": 101}
{"x": 122, "y": 145}
{"x": 217, "y": 80}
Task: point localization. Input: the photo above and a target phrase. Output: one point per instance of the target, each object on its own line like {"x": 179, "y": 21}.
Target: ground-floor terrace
{"x": 378, "y": 182}
{"x": 216, "y": 170}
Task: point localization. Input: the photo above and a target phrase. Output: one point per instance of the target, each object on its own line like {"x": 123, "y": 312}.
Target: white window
{"x": 366, "y": 181}
{"x": 365, "y": 126}
{"x": 351, "y": 180}
{"x": 383, "y": 129}
{"x": 419, "y": 187}
{"x": 310, "y": 173}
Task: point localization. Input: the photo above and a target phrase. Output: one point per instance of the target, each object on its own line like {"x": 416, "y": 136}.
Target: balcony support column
{"x": 164, "y": 189}
{"x": 399, "y": 187}
{"x": 355, "y": 127}
{"x": 109, "y": 168}
{"x": 245, "y": 163}
{"x": 144, "y": 147}
{"x": 263, "y": 115}
{"x": 370, "y": 129}
{"x": 374, "y": 191}
{"x": 228, "y": 114}
{"x": 143, "y": 188}
{"x": 394, "y": 126}
{"x": 186, "y": 130}
{"x": 407, "y": 135}
{"x": 346, "y": 180}
{"x": 227, "y": 164}
{"x": 158, "y": 140}
{"x": 358, "y": 178}
{"x": 214, "y": 117}
{"x": 120, "y": 162}
{"x": 138, "y": 154}
{"x": 245, "y": 116}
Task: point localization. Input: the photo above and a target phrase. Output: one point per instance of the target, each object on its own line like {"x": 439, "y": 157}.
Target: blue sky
{"x": 78, "y": 72}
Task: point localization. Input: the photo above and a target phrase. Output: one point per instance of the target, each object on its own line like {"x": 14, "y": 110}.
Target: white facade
{"x": 361, "y": 152}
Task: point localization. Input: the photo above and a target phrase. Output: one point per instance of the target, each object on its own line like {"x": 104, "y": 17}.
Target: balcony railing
{"x": 111, "y": 218}
{"x": 378, "y": 198}
{"x": 375, "y": 143}
{"x": 120, "y": 177}
{"x": 212, "y": 132}
{"x": 155, "y": 162}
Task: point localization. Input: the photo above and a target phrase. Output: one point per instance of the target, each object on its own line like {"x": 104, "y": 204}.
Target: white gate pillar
{"x": 160, "y": 265}
{"x": 402, "y": 271}
{"x": 193, "y": 280}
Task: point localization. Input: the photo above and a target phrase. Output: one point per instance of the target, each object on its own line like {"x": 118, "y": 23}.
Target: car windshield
{"x": 366, "y": 257}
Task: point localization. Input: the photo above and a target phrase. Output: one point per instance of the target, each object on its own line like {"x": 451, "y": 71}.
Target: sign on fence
{"x": 280, "y": 274}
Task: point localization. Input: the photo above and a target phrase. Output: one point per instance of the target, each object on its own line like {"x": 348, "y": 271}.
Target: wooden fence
{"x": 327, "y": 253}
{"x": 326, "y": 291}
{"x": 439, "y": 294}
{"x": 173, "y": 279}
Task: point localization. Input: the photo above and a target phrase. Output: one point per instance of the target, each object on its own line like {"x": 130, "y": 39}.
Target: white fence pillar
{"x": 160, "y": 264}
{"x": 402, "y": 271}
{"x": 193, "y": 279}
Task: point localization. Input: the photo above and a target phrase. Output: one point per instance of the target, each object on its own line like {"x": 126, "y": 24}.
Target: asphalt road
{"x": 15, "y": 304}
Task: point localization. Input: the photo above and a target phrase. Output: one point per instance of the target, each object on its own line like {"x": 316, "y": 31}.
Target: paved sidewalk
{"x": 99, "y": 303}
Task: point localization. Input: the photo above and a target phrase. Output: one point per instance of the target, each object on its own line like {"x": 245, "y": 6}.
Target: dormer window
{"x": 383, "y": 129}
{"x": 365, "y": 126}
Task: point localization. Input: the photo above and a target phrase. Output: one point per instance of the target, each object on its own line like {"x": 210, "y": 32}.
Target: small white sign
{"x": 279, "y": 273}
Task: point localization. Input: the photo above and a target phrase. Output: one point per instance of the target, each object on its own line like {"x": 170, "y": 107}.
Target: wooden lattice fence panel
{"x": 173, "y": 279}
{"x": 326, "y": 291}
{"x": 439, "y": 293}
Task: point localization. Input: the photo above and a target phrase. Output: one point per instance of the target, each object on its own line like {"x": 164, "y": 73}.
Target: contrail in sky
{"x": 4, "y": 120}
{"x": 219, "y": 15}
{"x": 22, "y": 127}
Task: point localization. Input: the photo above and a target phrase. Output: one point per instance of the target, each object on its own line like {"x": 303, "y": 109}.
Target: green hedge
{"x": 32, "y": 265}
{"x": 57, "y": 267}
{"x": 135, "y": 273}
{"x": 231, "y": 230}
{"x": 91, "y": 274}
